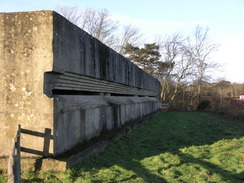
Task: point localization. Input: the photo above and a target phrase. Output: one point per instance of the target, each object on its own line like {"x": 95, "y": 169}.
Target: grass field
{"x": 173, "y": 147}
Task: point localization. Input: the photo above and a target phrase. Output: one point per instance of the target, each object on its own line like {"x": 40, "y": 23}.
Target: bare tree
{"x": 100, "y": 25}
{"x": 182, "y": 71}
{"x": 223, "y": 88}
{"x": 72, "y": 13}
{"x": 130, "y": 35}
{"x": 201, "y": 49}
{"x": 171, "y": 51}
{"x": 186, "y": 61}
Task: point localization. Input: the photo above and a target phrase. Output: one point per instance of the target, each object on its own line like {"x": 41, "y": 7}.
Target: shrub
{"x": 204, "y": 104}
{"x": 228, "y": 107}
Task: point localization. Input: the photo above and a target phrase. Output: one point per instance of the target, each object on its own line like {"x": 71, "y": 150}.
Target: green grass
{"x": 173, "y": 147}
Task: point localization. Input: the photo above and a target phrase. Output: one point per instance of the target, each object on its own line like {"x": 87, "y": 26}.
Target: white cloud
{"x": 152, "y": 28}
{"x": 231, "y": 55}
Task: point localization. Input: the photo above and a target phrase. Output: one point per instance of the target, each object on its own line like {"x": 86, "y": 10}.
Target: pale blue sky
{"x": 225, "y": 18}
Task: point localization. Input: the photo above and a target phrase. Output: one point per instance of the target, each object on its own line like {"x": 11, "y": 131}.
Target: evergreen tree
{"x": 146, "y": 58}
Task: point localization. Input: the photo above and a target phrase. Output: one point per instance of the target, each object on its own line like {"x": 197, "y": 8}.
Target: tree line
{"x": 182, "y": 63}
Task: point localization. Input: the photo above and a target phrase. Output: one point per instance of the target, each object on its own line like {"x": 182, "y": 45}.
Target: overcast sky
{"x": 225, "y": 18}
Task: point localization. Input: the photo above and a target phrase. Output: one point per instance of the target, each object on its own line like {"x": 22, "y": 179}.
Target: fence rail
{"x": 14, "y": 167}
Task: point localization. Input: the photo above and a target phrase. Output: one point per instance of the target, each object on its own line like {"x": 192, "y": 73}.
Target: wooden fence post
{"x": 14, "y": 167}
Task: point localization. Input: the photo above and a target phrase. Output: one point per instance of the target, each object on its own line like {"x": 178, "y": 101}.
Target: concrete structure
{"x": 63, "y": 86}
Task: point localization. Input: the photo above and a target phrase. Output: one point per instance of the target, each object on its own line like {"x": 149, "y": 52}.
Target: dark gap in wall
{"x": 77, "y": 92}
{"x": 73, "y": 92}
{"x": 121, "y": 95}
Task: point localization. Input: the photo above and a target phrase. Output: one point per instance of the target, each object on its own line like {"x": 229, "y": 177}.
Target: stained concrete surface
{"x": 44, "y": 59}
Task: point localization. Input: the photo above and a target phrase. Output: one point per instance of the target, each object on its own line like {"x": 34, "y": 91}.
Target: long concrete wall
{"x": 63, "y": 86}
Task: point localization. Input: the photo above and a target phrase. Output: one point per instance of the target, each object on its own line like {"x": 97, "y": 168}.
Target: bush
{"x": 204, "y": 104}
{"x": 228, "y": 107}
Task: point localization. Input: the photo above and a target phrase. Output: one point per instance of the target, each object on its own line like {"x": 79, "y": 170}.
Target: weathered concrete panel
{"x": 25, "y": 54}
{"x": 80, "y": 118}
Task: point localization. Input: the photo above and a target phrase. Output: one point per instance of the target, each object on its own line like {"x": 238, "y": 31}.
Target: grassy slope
{"x": 173, "y": 147}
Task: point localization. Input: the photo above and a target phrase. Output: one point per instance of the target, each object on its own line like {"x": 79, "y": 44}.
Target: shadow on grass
{"x": 128, "y": 160}
{"x": 226, "y": 175}
{"x": 31, "y": 180}
{"x": 168, "y": 132}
